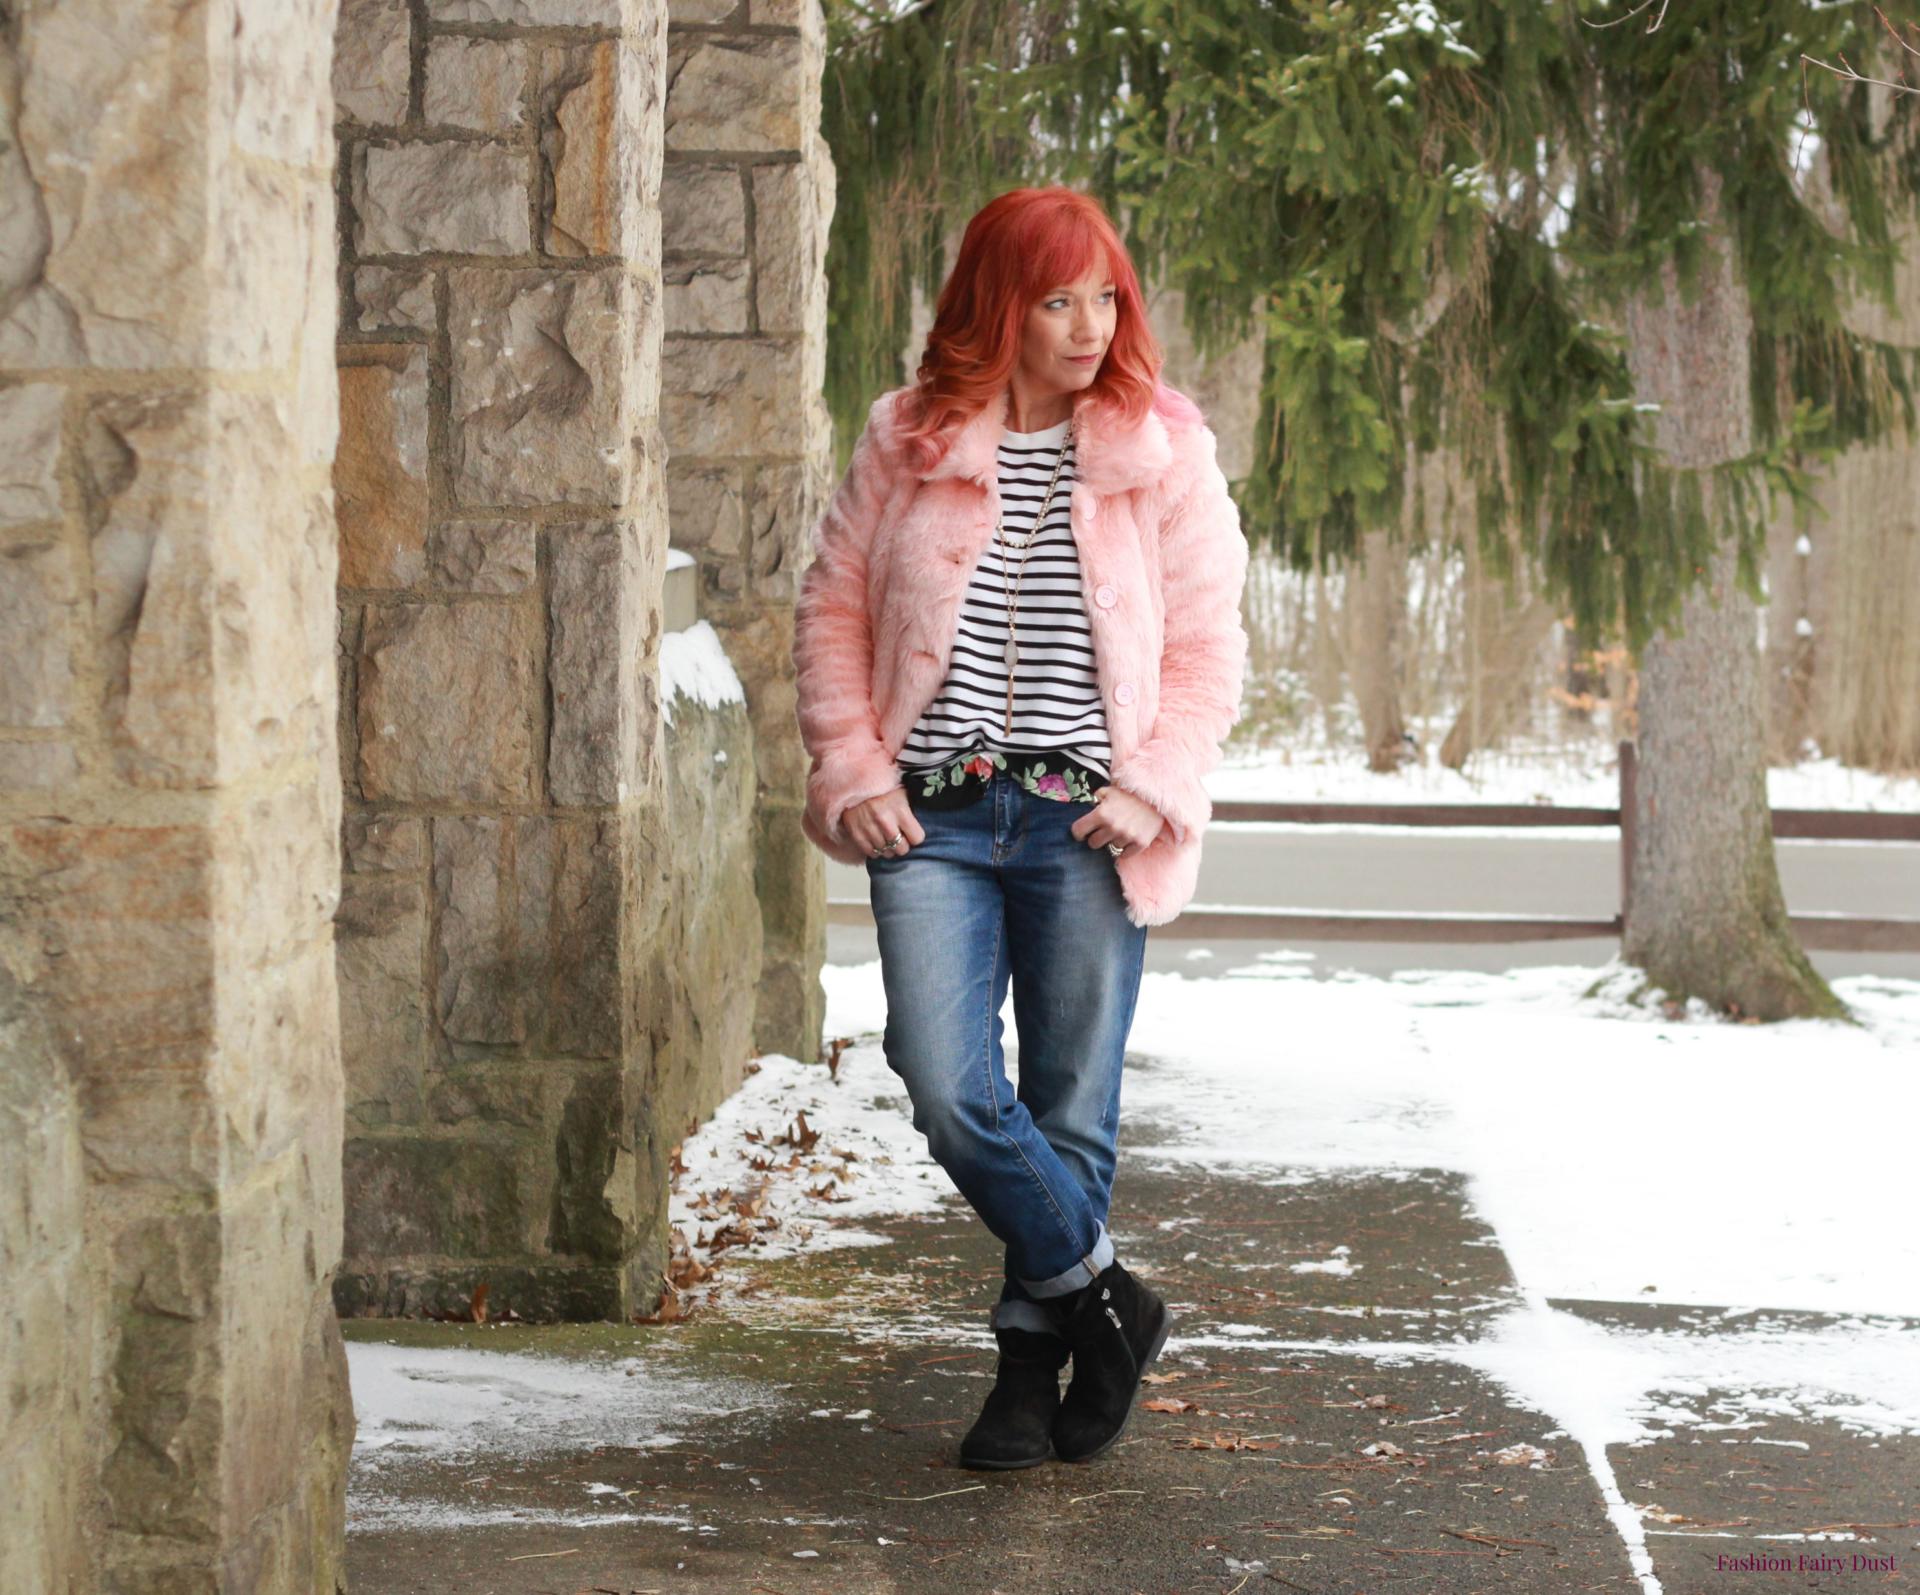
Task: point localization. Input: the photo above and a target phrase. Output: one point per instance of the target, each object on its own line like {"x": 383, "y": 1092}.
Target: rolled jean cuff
{"x": 1084, "y": 1272}
{"x": 1013, "y": 1313}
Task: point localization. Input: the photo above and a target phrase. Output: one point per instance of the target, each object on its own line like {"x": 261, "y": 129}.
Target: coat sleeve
{"x": 833, "y": 652}
{"x": 1203, "y": 565}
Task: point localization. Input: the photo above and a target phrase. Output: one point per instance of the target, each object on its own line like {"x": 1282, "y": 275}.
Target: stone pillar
{"x": 746, "y": 202}
{"x": 175, "y": 1406}
{"x": 502, "y": 551}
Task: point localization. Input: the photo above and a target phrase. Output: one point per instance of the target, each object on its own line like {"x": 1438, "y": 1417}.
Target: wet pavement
{"x": 1326, "y": 1424}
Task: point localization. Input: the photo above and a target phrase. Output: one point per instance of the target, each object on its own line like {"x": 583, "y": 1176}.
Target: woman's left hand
{"x": 1121, "y": 818}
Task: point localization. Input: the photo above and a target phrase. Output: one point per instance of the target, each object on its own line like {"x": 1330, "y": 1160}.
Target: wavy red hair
{"x": 1016, "y": 249}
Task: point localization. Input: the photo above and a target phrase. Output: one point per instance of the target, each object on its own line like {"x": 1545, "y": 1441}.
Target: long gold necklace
{"x": 1012, "y": 594}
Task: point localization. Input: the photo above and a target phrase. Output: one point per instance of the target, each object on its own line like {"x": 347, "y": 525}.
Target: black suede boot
{"x": 1116, "y": 1326}
{"x": 1013, "y": 1429}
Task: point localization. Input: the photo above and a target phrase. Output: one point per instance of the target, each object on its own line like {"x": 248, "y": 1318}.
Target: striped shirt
{"x": 1056, "y": 694}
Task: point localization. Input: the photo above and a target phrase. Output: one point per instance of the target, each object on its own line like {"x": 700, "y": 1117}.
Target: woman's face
{"x": 1074, "y": 319}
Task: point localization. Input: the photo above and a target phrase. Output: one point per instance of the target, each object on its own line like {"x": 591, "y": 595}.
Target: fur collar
{"x": 1108, "y": 455}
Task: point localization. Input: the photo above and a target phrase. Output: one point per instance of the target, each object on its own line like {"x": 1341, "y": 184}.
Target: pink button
{"x": 1104, "y": 596}
{"x": 1123, "y": 693}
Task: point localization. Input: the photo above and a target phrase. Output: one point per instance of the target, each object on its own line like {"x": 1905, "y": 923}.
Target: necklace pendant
{"x": 1012, "y": 654}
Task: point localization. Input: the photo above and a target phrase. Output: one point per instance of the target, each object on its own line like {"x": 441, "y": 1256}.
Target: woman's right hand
{"x": 873, "y": 822}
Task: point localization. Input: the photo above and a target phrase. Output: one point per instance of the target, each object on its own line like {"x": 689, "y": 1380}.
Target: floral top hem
{"x": 1045, "y": 772}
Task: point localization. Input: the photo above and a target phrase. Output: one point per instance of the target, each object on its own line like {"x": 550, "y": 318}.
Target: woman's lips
{"x": 1083, "y": 359}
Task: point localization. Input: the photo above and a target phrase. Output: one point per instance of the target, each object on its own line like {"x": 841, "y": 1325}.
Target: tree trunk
{"x": 1706, "y": 916}
{"x": 1376, "y": 603}
{"x": 1503, "y": 672}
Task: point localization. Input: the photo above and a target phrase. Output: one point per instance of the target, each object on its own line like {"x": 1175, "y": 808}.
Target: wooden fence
{"x": 1826, "y": 932}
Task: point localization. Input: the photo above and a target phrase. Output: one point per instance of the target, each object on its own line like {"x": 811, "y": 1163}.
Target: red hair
{"x": 1017, "y": 249}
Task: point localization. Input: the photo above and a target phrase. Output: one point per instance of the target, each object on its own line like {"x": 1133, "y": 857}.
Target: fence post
{"x": 1628, "y": 773}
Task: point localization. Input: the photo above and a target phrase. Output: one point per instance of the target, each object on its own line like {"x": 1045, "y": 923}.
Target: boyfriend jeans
{"x": 1000, "y": 891}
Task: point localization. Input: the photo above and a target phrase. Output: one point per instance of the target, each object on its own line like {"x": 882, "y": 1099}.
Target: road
{"x": 1567, "y": 872}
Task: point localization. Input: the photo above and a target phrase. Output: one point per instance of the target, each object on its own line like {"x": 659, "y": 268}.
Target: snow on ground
{"x": 1583, "y": 775}
{"x": 419, "y": 1409}
{"x": 863, "y": 1112}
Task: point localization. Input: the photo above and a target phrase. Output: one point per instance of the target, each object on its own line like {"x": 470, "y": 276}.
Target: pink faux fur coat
{"x": 1162, "y": 562}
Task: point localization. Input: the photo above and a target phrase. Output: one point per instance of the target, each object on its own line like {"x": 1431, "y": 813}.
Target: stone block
{"x": 380, "y": 471}
{"x": 162, "y": 1470}
{"x": 707, "y": 510}
{"x": 788, "y": 496}
{"x": 600, "y": 147}
{"x": 707, "y": 295}
{"x": 36, "y": 616}
{"x": 37, "y": 766}
{"x": 274, "y": 56}
{"x": 273, "y": 607}
{"x": 533, "y": 13}
{"x": 703, "y": 210}
{"x": 591, "y": 1214}
{"x": 260, "y": 244}
{"x": 597, "y": 623}
{"x": 46, "y": 1455}
{"x": 288, "y": 1415}
{"x": 697, "y": 11}
{"x": 30, "y": 452}
{"x": 540, "y": 410}
{"x": 484, "y": 556}
{"x": 457, "y": 197}
{"x": 314, "y": 426}
{"x": 475, "y": 84}
{"x": 734, "y": 93}
{"x": 392, "y": 299}
{"x": 793, "y": 922}
{"x": 725, "y": 396}
{"x": 553, "y": 1293}
{"x": 145, "y": 489}
{"x": 346, "y": 657}
{"x": 527, "y": 938}
{"x": 108, "y": 142}
{"x": 759, "y": 641}
{"x": 213, "y": 571}
{"x": 372, "y": 843}
{"x": 127, "y": 914}
{"x": 379, "y": 939}
{"x": 420, "y": 1198}
{"x": 419, "y": 742}
{"x": 275, "y": 1072}
{"x": 790, "y": 248}
{"x": 371, "y": 62}
{"x": 488, "y": 1093}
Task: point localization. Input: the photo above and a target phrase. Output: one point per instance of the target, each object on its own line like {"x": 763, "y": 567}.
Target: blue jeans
{"x": 1001, "y": 890}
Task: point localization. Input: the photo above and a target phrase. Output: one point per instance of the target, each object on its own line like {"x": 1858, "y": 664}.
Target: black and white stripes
{"x": 1056, "y": 694}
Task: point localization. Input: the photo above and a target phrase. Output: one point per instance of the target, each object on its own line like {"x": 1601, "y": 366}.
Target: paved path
{"x": 1301, "y": 1456}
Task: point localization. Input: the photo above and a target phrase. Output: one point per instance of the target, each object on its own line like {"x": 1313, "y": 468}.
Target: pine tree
{"x": 1565, "y": 241}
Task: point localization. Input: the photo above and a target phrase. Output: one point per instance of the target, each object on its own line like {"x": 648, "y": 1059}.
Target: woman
{"x": 1017, "y": 651}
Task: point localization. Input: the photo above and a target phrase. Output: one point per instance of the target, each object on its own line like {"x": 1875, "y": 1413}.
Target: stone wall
{"x": 747, "y": 197}
{"x": 176, "y": 1416}
{"x": 503, "y": 540}
{"x": 712, "y": 950}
